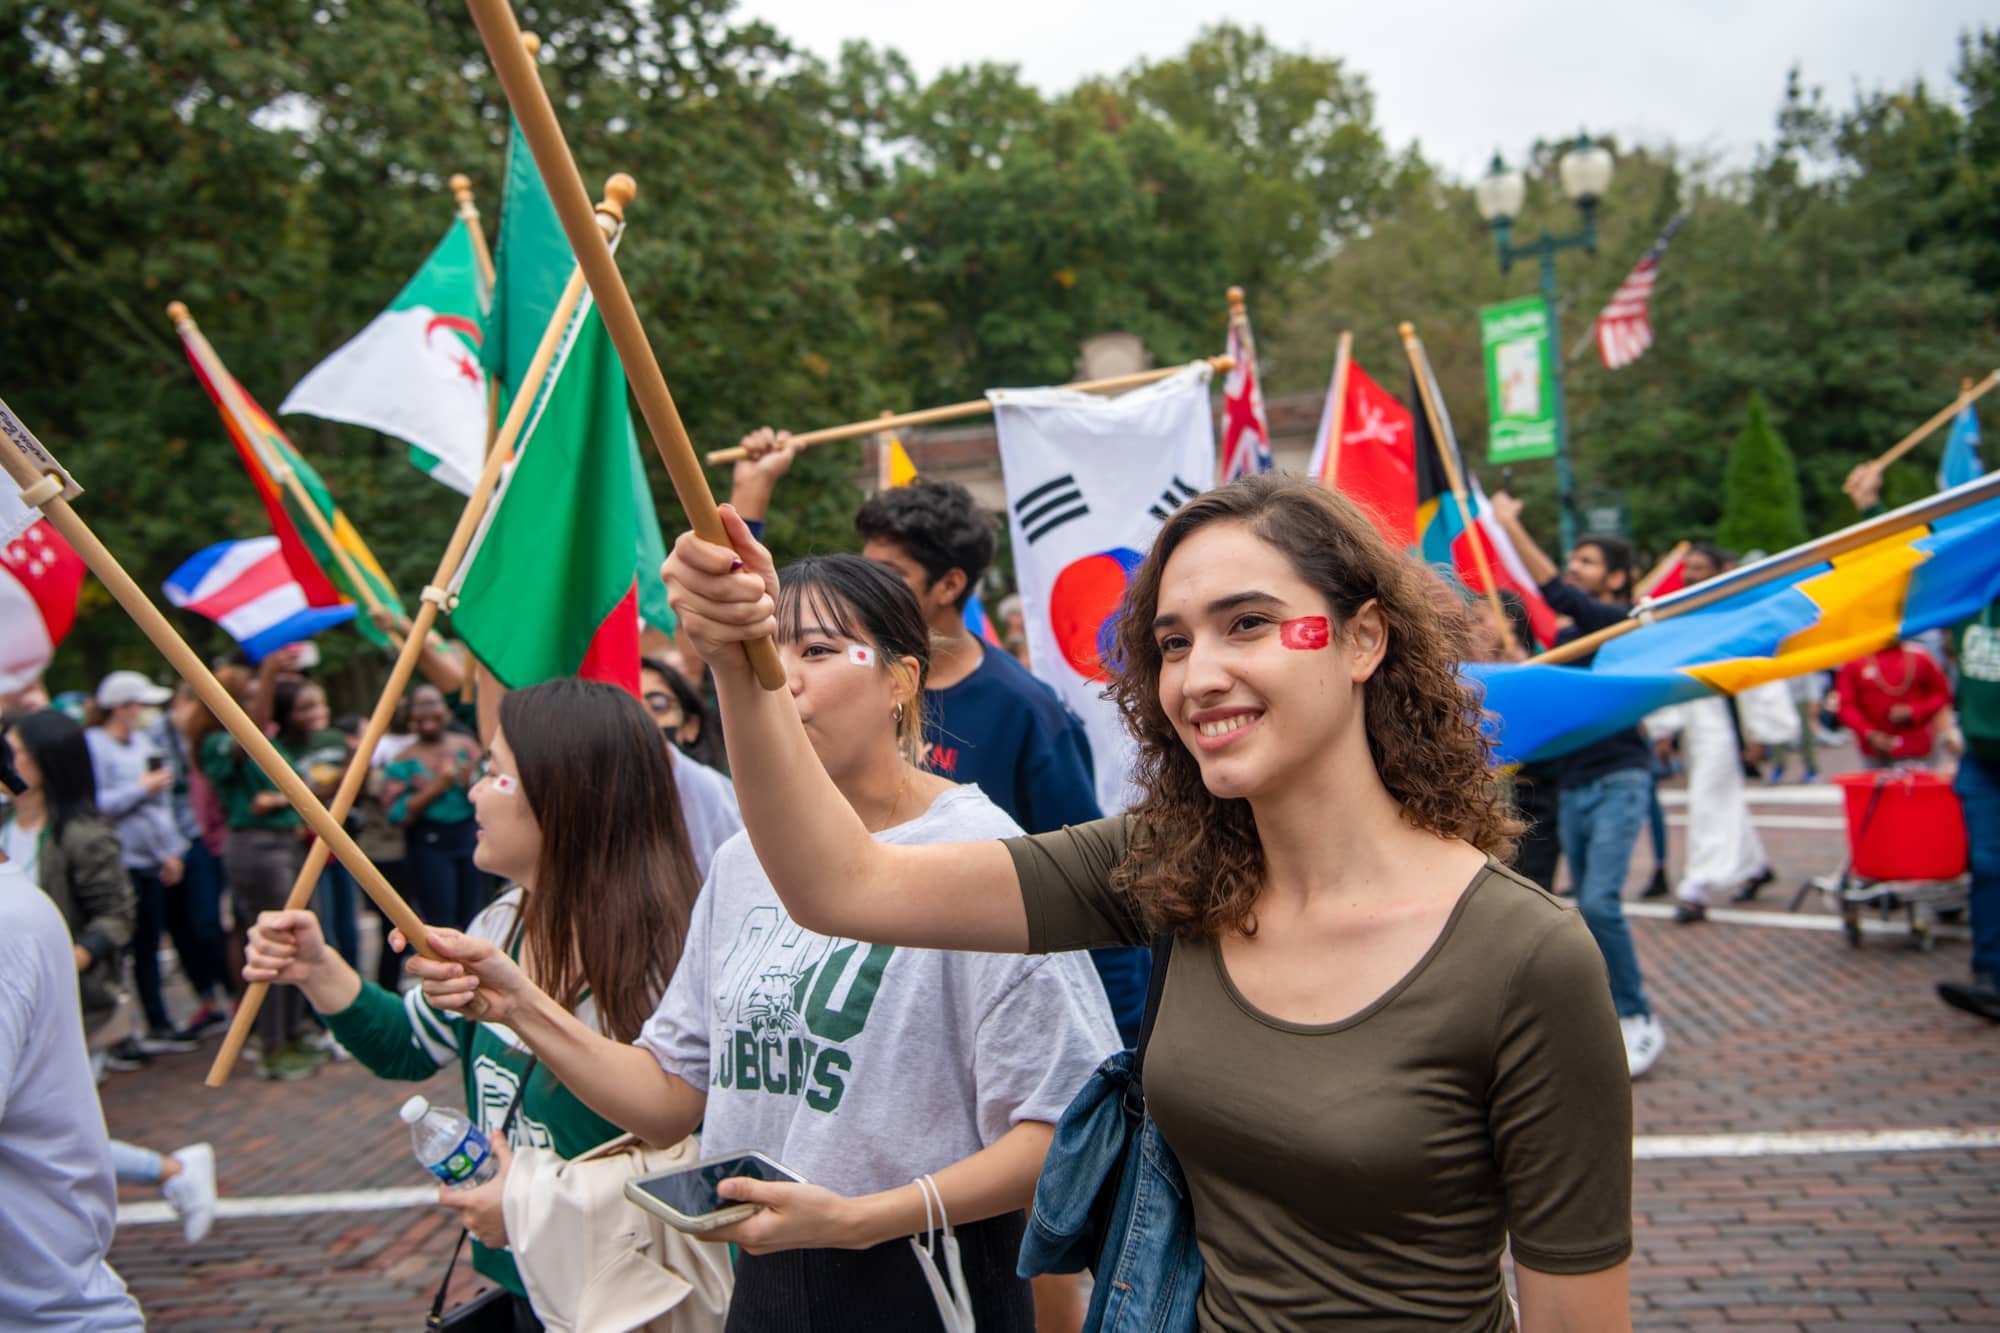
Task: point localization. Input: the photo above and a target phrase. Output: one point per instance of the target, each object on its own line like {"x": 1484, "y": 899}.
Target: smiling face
{"x": 1258, "y": 680}
{"x": 310, "y": 713}
{"x": 510, "y": 837}
{"x": 428, "y": 715}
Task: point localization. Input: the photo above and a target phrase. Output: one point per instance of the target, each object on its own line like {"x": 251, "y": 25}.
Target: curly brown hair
{"x": 1194, "y": 864}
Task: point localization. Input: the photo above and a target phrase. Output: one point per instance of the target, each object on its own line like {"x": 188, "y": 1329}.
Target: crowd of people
{"x": 875, "y": 926}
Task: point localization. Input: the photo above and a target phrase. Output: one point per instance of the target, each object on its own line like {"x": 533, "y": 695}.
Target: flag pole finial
{"x": 461, "y": 187}
{"x": 531, "y": 43}
{"x": 1406, "y": 329}
{"x": 1235, "y": 295}
{"x": 619, "y": 191}
{"x": 178, "y": 313}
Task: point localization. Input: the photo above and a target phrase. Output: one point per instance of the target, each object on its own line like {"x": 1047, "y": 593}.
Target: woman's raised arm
{"x": 834, "y": 878}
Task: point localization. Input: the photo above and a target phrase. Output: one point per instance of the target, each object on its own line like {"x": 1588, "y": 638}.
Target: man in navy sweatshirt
{"x": 1607, "y": 784}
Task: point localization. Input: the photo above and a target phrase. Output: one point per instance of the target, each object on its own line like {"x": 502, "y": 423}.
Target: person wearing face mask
{"x": 860, "y": 1068}
{"x": 1381, "y": 1057}
{"x": 576, "y": 808}
{"x": 708, "y": 800}
{"x": 427, "y": 792}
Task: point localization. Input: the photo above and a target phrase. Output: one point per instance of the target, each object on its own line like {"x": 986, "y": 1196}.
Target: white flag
{"x": 1089, "y": 481}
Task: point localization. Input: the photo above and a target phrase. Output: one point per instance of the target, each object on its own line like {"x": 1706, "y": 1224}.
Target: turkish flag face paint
{"x": 1306, "y": 632}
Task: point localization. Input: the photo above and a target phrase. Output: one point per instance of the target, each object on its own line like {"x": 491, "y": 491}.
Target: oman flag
{"x": 552, "y": 586}
{"x": 415, "y": 371}
{"x": 40, "y": 577}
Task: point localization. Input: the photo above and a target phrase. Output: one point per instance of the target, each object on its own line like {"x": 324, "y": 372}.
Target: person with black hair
{"x": 1606, "y": 784}
{"x": 708, "y": 799}
{"x": 988, "y": 721}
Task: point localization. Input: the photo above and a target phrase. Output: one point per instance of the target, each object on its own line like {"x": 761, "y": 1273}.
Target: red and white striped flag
{"x": 1623, "y": 330}
{"x": 1246, "y": 433}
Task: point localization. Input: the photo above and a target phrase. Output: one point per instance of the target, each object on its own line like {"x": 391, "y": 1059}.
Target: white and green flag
{"x": 415, "y": 371}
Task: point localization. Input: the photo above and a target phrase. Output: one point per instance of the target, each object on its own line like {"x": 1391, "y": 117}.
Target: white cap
{"x": 415, "y": 1109}
{"x": 129, "y": 687}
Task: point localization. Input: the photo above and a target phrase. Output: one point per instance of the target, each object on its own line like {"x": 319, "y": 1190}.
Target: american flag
{"x": 1623, "y": 331}
{"x": 1246, "y": 434}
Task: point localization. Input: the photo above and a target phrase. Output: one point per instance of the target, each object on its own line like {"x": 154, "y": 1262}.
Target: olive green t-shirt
{"x": 1367, "y": 1173}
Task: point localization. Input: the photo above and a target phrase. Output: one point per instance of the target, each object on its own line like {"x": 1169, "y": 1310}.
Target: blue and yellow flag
{"x": 1912, "y": 579}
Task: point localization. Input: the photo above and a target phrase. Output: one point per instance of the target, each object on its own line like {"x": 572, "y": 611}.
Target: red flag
{"x": 40, "y": 577}
{"x": 1376, "y": 465}
{"x": 1246, "y": 435}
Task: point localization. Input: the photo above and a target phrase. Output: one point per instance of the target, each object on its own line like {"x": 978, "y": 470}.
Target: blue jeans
{"x": 337, "y": 891}
{"x": 1600, "y": 823}
{"x": 1978, "y": 788}
{"x": 202, "y": 883}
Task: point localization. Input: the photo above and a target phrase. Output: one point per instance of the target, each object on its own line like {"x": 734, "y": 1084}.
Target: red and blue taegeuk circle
{"x": 1081, "y": 602}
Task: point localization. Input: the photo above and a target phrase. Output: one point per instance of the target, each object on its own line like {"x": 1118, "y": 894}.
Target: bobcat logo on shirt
{"x": 787, "y": 1005}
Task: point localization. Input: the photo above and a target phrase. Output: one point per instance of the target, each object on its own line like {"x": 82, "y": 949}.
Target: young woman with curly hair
{"x": 1380, "y": 1055}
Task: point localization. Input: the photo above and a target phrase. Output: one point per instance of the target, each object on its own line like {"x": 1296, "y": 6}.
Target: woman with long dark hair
{"x": 1379, "y": 1055}
{"x": 577, "y": 809}
{"x": 864, "y": 1070}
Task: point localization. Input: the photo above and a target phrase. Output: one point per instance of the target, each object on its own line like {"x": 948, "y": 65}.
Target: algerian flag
{"x": 552, "y": 587}
{"x": 532, "y": 263}
{"x": 414, "y": 372}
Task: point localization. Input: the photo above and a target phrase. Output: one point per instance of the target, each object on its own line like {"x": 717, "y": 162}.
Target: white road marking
{"x": 1823, "y": 793}
{"x": 1646, "y": 1147}
{"x": 1818, "y": 823}
{"x": 1730, "y": 916}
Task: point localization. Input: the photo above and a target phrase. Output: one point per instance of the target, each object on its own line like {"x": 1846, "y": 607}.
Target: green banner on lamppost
{"x": 1520, "y": 380}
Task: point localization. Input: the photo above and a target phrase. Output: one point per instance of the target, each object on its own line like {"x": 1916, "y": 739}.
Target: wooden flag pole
{"x": 42, "y": 488}
{"x": 884, "y": 462}
{"x": 1866, "y": 533}
{"x": 1336, "y": 411}
{"x": 1967, "y": 395}
{"x": 972, "y": 408}
{"x": 1645, "y": 586}
{"x": 1447, "y": 451}
{"x": 468, "y": 212}
{"x": 618, "y": 191}
{"x": 537, "y": 118}
{"x": 233, "y": 398}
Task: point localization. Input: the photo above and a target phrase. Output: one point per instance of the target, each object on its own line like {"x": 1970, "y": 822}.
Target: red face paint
{"x": 1307, "y": 632}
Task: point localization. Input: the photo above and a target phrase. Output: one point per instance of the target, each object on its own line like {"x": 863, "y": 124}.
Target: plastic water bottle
{"x": 450, "y": 1147}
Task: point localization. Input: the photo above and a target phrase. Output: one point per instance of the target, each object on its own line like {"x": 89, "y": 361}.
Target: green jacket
{"x": 84, "y": 875}
{"x": 403, "y": 1037}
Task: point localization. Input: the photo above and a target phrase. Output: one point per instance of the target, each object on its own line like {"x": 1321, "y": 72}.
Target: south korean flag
{"x": 1089, "y": 481}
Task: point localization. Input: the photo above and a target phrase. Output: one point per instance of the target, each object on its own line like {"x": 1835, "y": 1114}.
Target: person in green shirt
{"x": 576, "y": 806}
{"x": 263, "y": 852}
{"x": 1978, "y": 786}
{"x": 426, "y": 792}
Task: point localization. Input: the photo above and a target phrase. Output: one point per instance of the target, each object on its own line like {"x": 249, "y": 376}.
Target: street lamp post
{"x": 1585, "y": 173}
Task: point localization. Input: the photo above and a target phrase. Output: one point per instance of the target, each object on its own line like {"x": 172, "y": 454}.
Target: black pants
{"x": 165, "y": 909}
{"x": 863, "y": 1291}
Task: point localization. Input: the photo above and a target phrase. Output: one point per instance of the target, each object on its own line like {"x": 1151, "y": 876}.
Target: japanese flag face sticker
{"x": 861, "y": 655}
{"x": 503, "y": 783}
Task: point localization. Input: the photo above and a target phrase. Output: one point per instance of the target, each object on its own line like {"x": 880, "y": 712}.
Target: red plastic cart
{"x": 1906, "y": 851}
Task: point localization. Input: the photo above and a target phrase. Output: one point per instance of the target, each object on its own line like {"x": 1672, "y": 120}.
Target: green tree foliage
{"x": 816, "y": 242}
{"x": 1760, "y": 489}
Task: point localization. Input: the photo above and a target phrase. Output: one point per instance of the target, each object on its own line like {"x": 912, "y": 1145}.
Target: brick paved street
{"x": 1770, "y": 1030}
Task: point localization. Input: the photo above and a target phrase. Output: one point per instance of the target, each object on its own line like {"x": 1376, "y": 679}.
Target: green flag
{"x": 552, "y": 588}
{"x": 531, "y": 265}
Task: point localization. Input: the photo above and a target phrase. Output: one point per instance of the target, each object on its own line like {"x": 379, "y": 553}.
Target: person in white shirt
{"x": 708, "y": 799}
{"x": 55, "y": 1157}
{"x": 861, "y": 1068}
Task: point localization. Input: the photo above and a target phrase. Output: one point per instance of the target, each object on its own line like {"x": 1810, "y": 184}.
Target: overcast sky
{"x": 1466, "y": 77}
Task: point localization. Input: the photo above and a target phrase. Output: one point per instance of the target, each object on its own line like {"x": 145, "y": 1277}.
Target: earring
{"x": 899, "y": 712}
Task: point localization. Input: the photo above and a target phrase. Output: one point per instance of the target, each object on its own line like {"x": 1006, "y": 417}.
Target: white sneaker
{"x": 1644, "y": 1040}
{"x": 191, "y": 1194}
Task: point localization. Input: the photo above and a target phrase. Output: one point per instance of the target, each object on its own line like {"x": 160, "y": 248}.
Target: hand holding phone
{"x": 685, "y": 1198}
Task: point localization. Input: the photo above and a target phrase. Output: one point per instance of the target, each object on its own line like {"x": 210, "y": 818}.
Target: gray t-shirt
{"x": 863, "y": 1066}
{"x": 55, "y": 1159}
{"x": 147, "y": 831}
{"x": 708, "y": 808}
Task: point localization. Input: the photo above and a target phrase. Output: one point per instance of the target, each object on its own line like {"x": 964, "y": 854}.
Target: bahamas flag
{"x": 346, "y": 570}
{"x": 1917, "y": 576}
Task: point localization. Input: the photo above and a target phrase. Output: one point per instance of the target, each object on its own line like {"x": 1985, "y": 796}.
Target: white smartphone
{"x": 686, "y": 1199}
